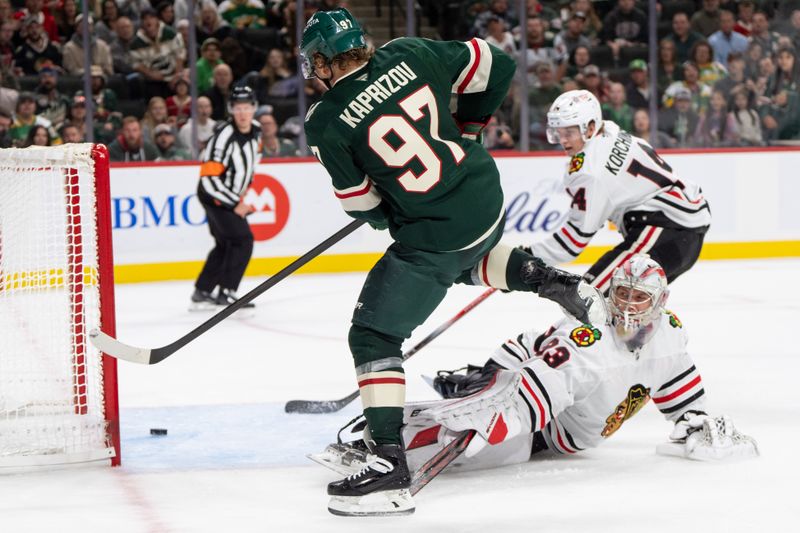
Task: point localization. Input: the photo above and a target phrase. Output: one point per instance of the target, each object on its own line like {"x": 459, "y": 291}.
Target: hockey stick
{"x": 331, "y": 406}
{"x": 434, "y": 466}
{"x": 111, "y": 346}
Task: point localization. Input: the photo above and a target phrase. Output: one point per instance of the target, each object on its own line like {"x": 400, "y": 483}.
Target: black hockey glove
{"x": 558, "y": 286}
{"x": 450, "y": 384}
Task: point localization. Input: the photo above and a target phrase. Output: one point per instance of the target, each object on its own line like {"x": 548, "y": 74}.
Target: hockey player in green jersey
{"x": 400, "y": 160}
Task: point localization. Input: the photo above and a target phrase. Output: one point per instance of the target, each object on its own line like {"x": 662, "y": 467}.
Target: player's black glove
{"x": 569, "y": 291}
{"x": 452, "y": 384}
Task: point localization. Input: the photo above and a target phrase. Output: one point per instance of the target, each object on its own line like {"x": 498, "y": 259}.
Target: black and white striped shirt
{"x": 228, "y": 165}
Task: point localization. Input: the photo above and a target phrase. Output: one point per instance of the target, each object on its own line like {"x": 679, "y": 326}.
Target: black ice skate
{"x": 226, "y": 297}
{"x": 380, "y": 488}
{"x": 575, "y": 296}
{"x": 203, "y": 301}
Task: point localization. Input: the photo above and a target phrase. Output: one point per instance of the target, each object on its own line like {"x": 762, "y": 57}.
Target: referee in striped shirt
{"x": 226, "y": 172}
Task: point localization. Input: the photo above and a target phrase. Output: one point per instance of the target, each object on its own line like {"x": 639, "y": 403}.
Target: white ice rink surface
{"x": 234, "y": 462}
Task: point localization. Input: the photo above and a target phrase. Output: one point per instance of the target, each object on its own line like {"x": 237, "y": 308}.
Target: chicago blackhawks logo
{"x": 576, "y": 163}
{"x": 638, "y": 395}
{"x": 674, "y": 321}
{"x": 585, "y": 336}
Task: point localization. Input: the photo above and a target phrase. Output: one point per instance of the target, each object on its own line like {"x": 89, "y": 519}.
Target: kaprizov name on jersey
{"x": 377, "y": 91}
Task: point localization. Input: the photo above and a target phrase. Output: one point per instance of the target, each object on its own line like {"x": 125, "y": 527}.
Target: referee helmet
{"x": 243, "y": 94}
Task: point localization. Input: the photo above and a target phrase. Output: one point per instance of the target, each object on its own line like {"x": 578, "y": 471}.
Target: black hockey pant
{"x": 676, "y": 250}
{"x": 233, "y": 247}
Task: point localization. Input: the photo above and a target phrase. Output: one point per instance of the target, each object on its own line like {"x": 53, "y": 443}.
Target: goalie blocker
{"x": 572, "y": 387}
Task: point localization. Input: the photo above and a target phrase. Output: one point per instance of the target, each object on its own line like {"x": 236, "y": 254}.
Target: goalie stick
{"x": 331, "y": 406}
{"x": 111, "y": 346}
{"x": 436, "y": 464}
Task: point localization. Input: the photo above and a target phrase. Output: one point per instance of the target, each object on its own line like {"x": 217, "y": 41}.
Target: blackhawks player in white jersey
{"x": 612, "y": 175}
{"x": 572, "y": 387}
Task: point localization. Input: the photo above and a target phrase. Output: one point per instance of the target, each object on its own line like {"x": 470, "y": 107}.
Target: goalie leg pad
{"x": 497, "y": 413}
{"x": 424, "y": 438}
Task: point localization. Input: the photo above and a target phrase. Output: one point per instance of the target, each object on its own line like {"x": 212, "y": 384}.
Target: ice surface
{"x": 233, "y": 461}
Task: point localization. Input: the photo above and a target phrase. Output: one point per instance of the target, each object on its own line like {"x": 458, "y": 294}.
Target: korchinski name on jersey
{"x": 618, "y": 153}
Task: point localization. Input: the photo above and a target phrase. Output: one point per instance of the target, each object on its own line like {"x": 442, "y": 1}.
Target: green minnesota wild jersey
{"x": 386, "y": 136}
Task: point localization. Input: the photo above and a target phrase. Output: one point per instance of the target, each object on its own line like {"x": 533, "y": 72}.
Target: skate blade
{"x": 333, "y": 462}
{"x": 205, "y": 307}
{"x": 244, "y": 313}
{"x": 383, "y": 503}
{"x": 340, "y": 458}
{"x": 201, "y": 307}
{"x": 428, "y": 380}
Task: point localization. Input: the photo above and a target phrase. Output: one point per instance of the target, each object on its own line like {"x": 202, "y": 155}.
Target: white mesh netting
{"x": 51, "y": 393}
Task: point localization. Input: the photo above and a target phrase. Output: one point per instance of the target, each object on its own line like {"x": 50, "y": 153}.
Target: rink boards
{"x": 160, "y": 231}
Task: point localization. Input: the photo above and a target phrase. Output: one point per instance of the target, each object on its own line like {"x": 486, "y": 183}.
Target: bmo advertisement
{"x": 160, "y": 231}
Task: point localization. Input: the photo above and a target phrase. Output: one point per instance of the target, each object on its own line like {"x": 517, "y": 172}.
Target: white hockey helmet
{"x": 574, "y": 108}
{"x": 637, "y": 298}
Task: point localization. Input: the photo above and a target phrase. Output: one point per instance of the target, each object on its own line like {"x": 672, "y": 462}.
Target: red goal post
{"x": 58, "y": 394}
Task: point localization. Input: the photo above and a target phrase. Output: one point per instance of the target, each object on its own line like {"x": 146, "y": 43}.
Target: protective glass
{"x": 554, "y": 135}
{"x": 308, "y": 66}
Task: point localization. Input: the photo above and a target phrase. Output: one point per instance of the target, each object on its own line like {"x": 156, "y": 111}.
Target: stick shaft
{"x": 117, "y": 349}
{"x": 262, "y": 288}
{"x": 440, "y": 461}
{"x": 444, "y": 327}
{"x": 331, "y": 406}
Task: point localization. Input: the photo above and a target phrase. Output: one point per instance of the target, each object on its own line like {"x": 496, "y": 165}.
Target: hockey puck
{"x": 158, "y": 432}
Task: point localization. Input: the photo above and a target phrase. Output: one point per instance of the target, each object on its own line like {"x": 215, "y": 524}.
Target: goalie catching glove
{"x": 701, "y": 437}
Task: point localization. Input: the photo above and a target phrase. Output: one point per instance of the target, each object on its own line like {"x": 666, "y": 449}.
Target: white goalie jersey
{"x": 618, "y": 173}
{"x": 580, "y": 385}
{"x": 567, "y": 389}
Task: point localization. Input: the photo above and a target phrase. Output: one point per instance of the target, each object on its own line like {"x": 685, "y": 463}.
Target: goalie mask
{"x": 637, "y": 298}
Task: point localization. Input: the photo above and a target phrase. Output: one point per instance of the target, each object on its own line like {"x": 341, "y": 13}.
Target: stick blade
{"x": 319, "y": 407}
{"x": 119, "y": 350}
{"x": 312, "y": 407}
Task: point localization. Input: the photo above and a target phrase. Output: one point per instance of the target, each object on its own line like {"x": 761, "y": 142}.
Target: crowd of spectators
{"x": 140, "y": 80}
{"x": 727, "y": 72}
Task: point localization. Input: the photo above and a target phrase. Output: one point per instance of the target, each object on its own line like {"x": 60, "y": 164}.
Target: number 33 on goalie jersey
{"x": 615, "y": 174}
{"x": 386, "y": 136}
{"x": 580, "y": 386}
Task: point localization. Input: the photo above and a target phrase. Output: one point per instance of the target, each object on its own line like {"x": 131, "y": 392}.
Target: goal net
{"x": 58, "y": 394}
